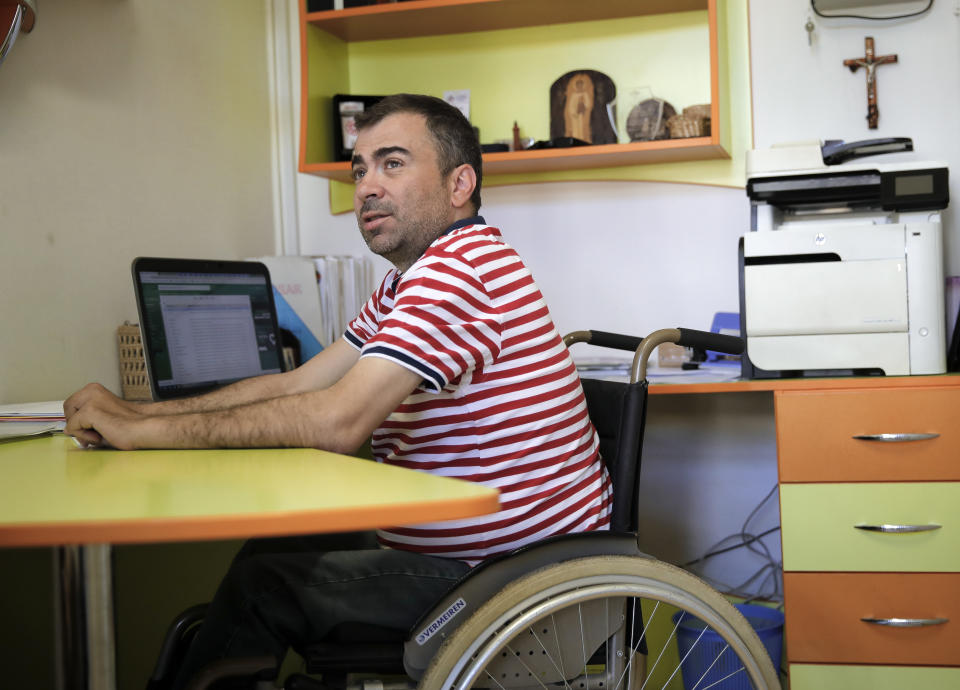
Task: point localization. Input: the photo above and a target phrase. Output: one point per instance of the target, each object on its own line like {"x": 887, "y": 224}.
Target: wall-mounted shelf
{"x": 610, "y": 155}
{"x": 332, "y": 40}
{"x": 435, "y": 17}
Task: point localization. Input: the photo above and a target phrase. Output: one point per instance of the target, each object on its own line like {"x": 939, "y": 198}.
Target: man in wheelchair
{"x": 453, "y": 366}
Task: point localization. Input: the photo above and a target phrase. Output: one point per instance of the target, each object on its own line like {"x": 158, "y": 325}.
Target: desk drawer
{"x": 817, "y": 677}
{"x": 824, "y": 612}
{"x": 816, "y": 429}
{"x": 818, "y": 527}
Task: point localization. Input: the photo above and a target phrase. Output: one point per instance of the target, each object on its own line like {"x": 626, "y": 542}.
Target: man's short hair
{"x": 454, "y": 136}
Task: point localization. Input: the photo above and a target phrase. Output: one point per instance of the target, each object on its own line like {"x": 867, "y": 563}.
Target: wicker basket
{"x": 133, "y": 366}
{"x": 681, "y": 127}
{"x": 698, "y": 111}
{"x": 694, "y": 121}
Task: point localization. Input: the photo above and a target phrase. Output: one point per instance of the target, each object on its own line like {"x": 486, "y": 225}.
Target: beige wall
{"x": 127, "y": 128}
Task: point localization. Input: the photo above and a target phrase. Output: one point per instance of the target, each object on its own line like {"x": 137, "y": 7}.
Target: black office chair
{"x": 573, "y": 611}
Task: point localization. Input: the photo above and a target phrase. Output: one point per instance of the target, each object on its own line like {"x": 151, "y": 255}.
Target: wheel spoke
{"x": 663, "y": 649}
{"x": 556, "y": 638}
{"x": 729, "y": 675}
{"x": 712, "y": 664}
{"x": 689, "y": 651}
{"x": 494, "y": 679}
{"x": 633, "y": 648}
{"x": 524, "y": 664}
{"x": 583, "y": 645}
{"x": 549, "y": 656}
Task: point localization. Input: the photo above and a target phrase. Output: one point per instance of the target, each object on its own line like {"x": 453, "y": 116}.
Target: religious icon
{"x": 582, "y": 106}
{"x": 870, "y": 62}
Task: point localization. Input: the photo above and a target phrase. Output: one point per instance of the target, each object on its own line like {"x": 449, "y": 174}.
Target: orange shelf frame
{"x": 581, "y": 157}
{"x": 417, "y": 18}
{"x": 437, "y": 17}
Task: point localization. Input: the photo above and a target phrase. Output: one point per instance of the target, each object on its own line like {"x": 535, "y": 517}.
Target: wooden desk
{"x": 806, "y": 384}
{"x": 55, "y": 494}
{"x": 831, "y": 479}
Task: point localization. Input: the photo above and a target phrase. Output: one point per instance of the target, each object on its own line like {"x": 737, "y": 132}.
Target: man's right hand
{"x": 96, "y": 396}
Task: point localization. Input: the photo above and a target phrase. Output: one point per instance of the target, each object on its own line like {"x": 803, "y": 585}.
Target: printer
{"x": 842, "y": 270}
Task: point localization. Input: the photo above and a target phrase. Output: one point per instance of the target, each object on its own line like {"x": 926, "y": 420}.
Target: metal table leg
{"x": 84, "y": 625}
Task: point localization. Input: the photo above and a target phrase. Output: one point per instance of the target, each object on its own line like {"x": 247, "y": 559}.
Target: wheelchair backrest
{"x": 618, "y": 412}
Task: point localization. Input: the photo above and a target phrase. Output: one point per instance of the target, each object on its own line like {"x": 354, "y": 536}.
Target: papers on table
{"x": 31, "y": 419}
{"x": 705, "y": 373}
{"x": 613, "y": 368}
{"x": 619, "y": 370}
{"x": 20, "y": 429}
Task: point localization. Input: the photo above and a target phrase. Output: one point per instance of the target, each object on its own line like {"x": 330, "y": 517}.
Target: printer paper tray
{"x": 835, "y": 297}
{"x": 889, "y": 352}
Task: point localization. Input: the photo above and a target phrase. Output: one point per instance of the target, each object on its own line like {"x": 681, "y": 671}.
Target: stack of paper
{"x": 346, "y": 283}
{"x": 30, "y": 419}
{"x": 611, "y": 368}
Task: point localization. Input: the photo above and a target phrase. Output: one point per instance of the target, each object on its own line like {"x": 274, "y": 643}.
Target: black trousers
{"x": 291, "y": 591}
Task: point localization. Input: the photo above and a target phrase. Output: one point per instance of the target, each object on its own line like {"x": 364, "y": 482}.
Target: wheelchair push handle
{"x": 615, "y": 341}
{"x": 685, "y": 337}
{"x": 728, "y": 344}
{"x": 644, "y": 347}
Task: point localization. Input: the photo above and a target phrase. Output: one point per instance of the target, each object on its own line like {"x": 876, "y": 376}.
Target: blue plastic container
{"x": 768, "y": 624}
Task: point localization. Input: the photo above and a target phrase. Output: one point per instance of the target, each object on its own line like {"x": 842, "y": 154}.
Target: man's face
{"x": 401, "y": 200}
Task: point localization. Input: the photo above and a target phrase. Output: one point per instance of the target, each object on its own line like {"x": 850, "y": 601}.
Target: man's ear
{"x": 463, "y": 180}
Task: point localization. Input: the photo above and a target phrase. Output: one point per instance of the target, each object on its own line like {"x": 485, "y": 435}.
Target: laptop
{"x": 205, "y": 323}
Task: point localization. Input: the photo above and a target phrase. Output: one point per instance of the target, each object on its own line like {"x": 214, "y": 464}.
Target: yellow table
{"x": 55, "y": 494}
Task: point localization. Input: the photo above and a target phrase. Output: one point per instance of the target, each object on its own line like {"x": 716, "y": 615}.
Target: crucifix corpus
{"x": 870, "y": 62}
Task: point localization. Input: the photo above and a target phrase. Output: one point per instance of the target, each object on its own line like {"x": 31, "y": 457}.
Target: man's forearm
{"x": 322, "y": 371}
{"x": 292, "y": 421}
{"x": 239, "y": 393}
{"x": 291, "y": 409}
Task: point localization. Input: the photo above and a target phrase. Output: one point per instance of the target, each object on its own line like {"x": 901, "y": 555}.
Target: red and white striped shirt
{"x": 500, "y": 403}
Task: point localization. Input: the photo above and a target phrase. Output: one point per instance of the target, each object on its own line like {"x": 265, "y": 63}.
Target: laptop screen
{"x": 204, "y": 324}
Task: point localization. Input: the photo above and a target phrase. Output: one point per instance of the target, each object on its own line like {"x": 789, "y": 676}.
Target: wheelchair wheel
{"x": 583, "y": 624}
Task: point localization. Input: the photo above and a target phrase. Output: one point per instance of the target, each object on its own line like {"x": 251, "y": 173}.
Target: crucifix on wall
{"x": 870, "y": 62}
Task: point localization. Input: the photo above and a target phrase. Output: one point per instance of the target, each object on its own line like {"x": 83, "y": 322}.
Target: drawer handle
{"x": 898, "y": 529}
{"x": 895, "y": 438}
{"x": 906, "y": 622}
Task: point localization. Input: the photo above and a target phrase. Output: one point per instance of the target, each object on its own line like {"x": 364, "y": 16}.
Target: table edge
{"x": 242, "y": 526}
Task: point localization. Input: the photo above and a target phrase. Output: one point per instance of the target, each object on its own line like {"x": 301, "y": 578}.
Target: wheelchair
{"x": 587, "y": 611}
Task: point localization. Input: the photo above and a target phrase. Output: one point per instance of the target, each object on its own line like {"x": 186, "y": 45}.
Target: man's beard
{"x": 408, "y": 239}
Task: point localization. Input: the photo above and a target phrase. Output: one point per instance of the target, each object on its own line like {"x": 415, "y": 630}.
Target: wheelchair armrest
{"x": 487, "y": 579}
{"x": 175, "y": 643}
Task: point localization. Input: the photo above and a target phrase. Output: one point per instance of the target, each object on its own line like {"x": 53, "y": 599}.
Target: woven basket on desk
{"x": 133, "y": 366}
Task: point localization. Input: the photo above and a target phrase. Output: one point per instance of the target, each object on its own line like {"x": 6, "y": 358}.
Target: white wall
{"x": 126, "y": 128}
{"x": 624, "y": 256}
{"x": 802, "y": 91}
